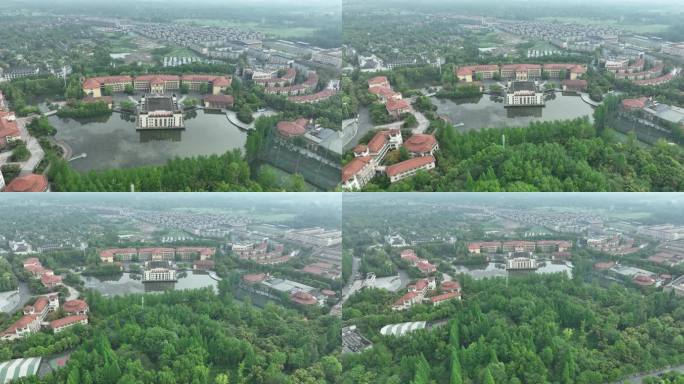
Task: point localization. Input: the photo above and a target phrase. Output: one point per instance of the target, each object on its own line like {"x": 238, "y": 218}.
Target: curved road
{"x": 639, "y": 378}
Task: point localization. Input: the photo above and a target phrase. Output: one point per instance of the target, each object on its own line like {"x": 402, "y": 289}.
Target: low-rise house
{"x": 408, "y": 168}
{"x": 60, "y": 325}
{"x": 76, "y": 307}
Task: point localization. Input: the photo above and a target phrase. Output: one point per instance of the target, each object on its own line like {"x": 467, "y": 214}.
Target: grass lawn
{"x": 121, "y": 44}
{"x": 271, "y": 30}
{"x": 487, "y": 40}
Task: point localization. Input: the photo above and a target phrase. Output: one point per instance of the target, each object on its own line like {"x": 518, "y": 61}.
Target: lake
{"x": 499, "y": 270}
{"x": 113, "y": 142}
{"x": 124, "y": 284}
{"x": 489, "y": 112}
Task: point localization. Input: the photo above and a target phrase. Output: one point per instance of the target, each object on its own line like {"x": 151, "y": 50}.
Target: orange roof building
{"x": 59, "y": 325}
{"x": 289, "y": 129}
{"x": 421, "y": 145}
{"x": 409, "y": 167}
{"x": 358, "y": 172}
{"x": 28, "y": 183}
{"x": 76, "y": 307}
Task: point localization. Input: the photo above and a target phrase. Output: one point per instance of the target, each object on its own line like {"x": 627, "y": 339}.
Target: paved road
{"x": 639, "y": 378}
{"x": 423, "y": 122}
{"x": 73, "y": 293}
{"x": 352, "y": 286}
{"x": 37, "y": 153}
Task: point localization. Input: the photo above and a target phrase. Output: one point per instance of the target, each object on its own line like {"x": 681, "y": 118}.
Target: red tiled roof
{"x": 407, "y": 165}
{"x": 378, "y": 80}
{"x": 303, "y": 298}
{"x": 407, "y": 297}
{"x": 425, "y": 266}
{"x": 384, "y": 91}
{"x": 228, "y": 99}
{"x": 292, "y": 128}
{"x": 28, "y": 183}
{"x": 221, "y": 81}
{"x": 395, "y": 105}
{"x": 580, "y": 84}
{"x": 603, "y": 265}
{"x": 155, "y": 250}
{"x": 445, "y": 296}
{"x": 354, "y": 167}
{"x": 151, "y": 78}
{"x": 67, "y": 321}
{"x": 254, "y": 278}
{"x": 8, "y": 128}
{"x": 21, "y": 323}
{"x": 644, "y": 280}
{"x": 450, "y": 285}
{"x": 361, "y": 148}
{"x": 40, "y": 304}
{"x": 420, "y": 143}
{"x": 421, "y": 284}
{"x": 50, "y": 279}
{"x": 75, "y": 306}
{"x": 635, "y": 103}
{"x": 520, "y": 67}
{"x": 91, "y": 84}
{"x": 378, "y": 141}
{"x": 31, "y": 260}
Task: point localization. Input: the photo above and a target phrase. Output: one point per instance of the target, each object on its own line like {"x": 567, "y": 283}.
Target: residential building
{"x": 76, "y": 307}
{"x": 575, "y": 85}
{"x": 290, "y": 129}
{"x": 156, "y": 254}
{"x": 396, "y": 108}
{"x": 219, "y": 101}
{"x": 156, "y": 83}
{"x": 203, "y": 265}
{"x": 421, "y": 145}
{"x": 408, "y": 168}
{"x": 60, "y": 325}
{"x": 9, "y": 131}
{"x": 358, "y": 172}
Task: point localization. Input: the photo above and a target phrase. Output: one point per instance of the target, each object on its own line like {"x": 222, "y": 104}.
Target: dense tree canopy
{"x": 536, "y": 329}
{"x": 197, "y": 337}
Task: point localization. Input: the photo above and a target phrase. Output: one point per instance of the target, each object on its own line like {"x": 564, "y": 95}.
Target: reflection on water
{"x": 114, "y": 142}
{"x": 499, "y": 270}
{"x": 160, "y": 135}
{"x": 489, "y": 112}
{"x": 514, "y": 112}
{"x": 128, "y": 283}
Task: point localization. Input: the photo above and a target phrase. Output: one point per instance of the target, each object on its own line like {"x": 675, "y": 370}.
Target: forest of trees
{"x": 193, "y": 337}
{"x": 570, "y": 155}
{"x": 84, "y": 110}
{"x": 535, "y": 329}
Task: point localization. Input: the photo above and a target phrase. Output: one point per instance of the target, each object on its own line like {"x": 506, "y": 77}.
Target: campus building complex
{"x": 368, "y": 158}
{"x": 111, "y": 255}
{"x": 542, "y": 246}
{"x": 95, "y": 86}
{"x": 520, "y": 72}
{"x": 263, "y": 252}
